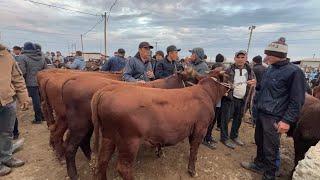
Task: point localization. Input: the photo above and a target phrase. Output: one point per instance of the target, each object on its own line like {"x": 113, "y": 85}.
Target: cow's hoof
{"x": 193, "y": 174}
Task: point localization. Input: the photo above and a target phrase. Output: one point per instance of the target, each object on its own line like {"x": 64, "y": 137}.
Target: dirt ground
{"x": 222, "y": 163}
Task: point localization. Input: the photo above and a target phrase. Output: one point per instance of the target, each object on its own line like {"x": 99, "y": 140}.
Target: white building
{"x": 310, "y": 62}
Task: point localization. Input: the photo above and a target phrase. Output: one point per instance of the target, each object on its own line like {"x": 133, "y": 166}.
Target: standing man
{"x": 59, "y": 57}
{"x": 116, "y": 63}
{"x": 157, "y": 58}
{"x": 197, "y": 60}
{"x": 208, "y": 139}
{"x": 78, "y": 62}
{"x": 12, "y": 87}
{"x": 278, "y": 102}
{"x": 232, "y": 106}
{"x": 33, "y": 62}
{"x": 138, "y": 68}
{"x": 258, "y": 68}
{"x": 17, "y": 56}
{"x": 168, "y": 65}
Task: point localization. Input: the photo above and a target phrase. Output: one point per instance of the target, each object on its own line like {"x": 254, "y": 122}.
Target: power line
{"x": 114, "y": 3}
{"x": 310, "y": 30}
{"x": 58, "y": 7}
{"x": 98, "y": 22}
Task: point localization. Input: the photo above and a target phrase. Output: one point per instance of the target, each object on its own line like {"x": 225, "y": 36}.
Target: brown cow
{"x": 79, "y": 109}
{"x": 316, "y": 92}
{"x": 50, "y": 83}
{"x": 127, "y": 116}
{"x": 306, "y": 132}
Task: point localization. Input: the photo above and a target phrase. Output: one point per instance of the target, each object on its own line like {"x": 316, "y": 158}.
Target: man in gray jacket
{"x": 197, "y": 60}
{"x": 138, "y": 68}
{"x": 33, "y": 62}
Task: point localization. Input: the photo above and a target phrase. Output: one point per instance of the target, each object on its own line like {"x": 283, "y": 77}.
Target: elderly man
{"x": 197, "y": 60}
{"x": 169, "y": 65}
{"x": 277, "y": 104}
{"x": 12, "y": 86}
{"x": 116, "y": 63}
{"x": 138, "y": 68}
{"x": 232, "y": 106}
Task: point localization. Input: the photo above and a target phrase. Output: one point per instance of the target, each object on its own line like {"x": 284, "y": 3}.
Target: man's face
{"x": 240, "y": 60}
{"x": 16, "y": 52}
{"x": 159, "y": 57}
{"x": 272, "y": 59}
{"x": 144, "y": 52}
{"x": 193, "y": 57}
{"x": 174, "y": 55}
{"x": 58, "y": 53}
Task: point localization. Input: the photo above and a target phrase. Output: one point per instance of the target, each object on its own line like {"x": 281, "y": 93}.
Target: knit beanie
{"x": 278, "y": 48}
{"x": 29, "y": 47}
{"x": 219, "y": 58}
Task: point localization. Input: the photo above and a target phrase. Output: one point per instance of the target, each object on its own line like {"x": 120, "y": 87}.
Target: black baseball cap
{"x": 144, "y": 45}
{"x": 172, "y": 48}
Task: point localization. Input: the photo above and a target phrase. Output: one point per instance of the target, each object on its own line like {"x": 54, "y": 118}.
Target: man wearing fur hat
{"x": 12, "y": 87}
{"x": 277, "y": 104}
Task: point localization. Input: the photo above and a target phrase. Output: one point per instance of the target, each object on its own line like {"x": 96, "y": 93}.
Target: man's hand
{"x": 141, "y": 81}
{"x": 283, "y": 127}
{"x": 24, "y": 106}
{"x": 150, "y": 74}
{"x": 252, "y": 82}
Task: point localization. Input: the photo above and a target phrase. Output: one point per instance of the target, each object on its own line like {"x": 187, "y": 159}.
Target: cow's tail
{"x": 95, "y": 120}
{"x": 46, "y": 106}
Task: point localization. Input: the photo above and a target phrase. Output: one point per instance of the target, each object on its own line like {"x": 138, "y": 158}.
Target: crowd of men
{"x": 280, "y": 91}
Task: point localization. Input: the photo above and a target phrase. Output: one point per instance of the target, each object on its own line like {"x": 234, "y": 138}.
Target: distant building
{"x": 310, "y": 62}
{"x": 90, "y": 55}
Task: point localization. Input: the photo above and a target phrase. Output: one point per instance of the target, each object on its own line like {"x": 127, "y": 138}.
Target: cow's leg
{"x": 128, "y": 149}
{"x": 85, "y": 144}
{"x": 106, "y": 149}
{"x": 194, "y": 140}
{"x": 58, "y": 137}
{"x": 72, "y": 146}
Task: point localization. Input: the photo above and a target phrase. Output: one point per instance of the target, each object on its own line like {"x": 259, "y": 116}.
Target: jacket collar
{"x": 139, "y": 57}
{"x": 280, "y": 63}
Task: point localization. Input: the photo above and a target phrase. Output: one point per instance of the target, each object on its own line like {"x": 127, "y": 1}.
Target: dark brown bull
{"x": 50, "y": 85}
{"x": 127, "y": 116}
{"x": 306, "y": 132}
{"x": 79, "y": 110}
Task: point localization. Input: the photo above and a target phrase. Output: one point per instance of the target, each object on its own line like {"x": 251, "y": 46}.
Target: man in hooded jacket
{"x": 32, "y": 62}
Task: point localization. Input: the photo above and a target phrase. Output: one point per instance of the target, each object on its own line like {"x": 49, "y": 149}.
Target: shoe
{"x": 252, "y": 167}
{"x": 36, "y": 122}
{"x": 209, "y": 144}
{"x": 14, "y": 163}
{"x": 238, "y": 141}
{"x": 4, "y": 170}
{"x": 229, "y": 144}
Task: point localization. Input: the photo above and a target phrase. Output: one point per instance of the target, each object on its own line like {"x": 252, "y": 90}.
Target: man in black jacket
{"x": 169, "y": 65}
{"x": 277, "y": 104}
{"x": 258, "y": 68}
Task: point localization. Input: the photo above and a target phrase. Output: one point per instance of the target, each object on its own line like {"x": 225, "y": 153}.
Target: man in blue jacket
{"x": 116, "y": 63}
{"x": 138, "y": 68}
{"x": 78, "y": 62}
{"x": 277, "y": 104}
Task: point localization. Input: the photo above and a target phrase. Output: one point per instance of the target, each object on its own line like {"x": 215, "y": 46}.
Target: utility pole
{"x": 81, "y": 43}
{"x": 314, "y": 56}
{"x": 156, "y": 46}
{"x": 251, "y": 28}
{"x": 105, "y": 33}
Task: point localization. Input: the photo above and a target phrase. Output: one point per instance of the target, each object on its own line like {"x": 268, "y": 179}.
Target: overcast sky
{"x": 219, "y": 26}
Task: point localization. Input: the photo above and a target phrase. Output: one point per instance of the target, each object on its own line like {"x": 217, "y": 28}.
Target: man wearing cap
{"x": 168, "y": 65}
{"x": 12, "y": 88}
{"x": 277, "y": 103}
{"x": 232, "y": 106}
{"x": 116, "y": 63}
{"x": 197, "y": 60}
{"x": 138, "y": 68}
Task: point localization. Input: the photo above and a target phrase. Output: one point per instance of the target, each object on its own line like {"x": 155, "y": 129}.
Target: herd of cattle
{"x": 124, "y": 115}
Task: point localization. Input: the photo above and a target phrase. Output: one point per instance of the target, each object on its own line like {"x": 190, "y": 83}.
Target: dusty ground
{"x": 222, "y": 163}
